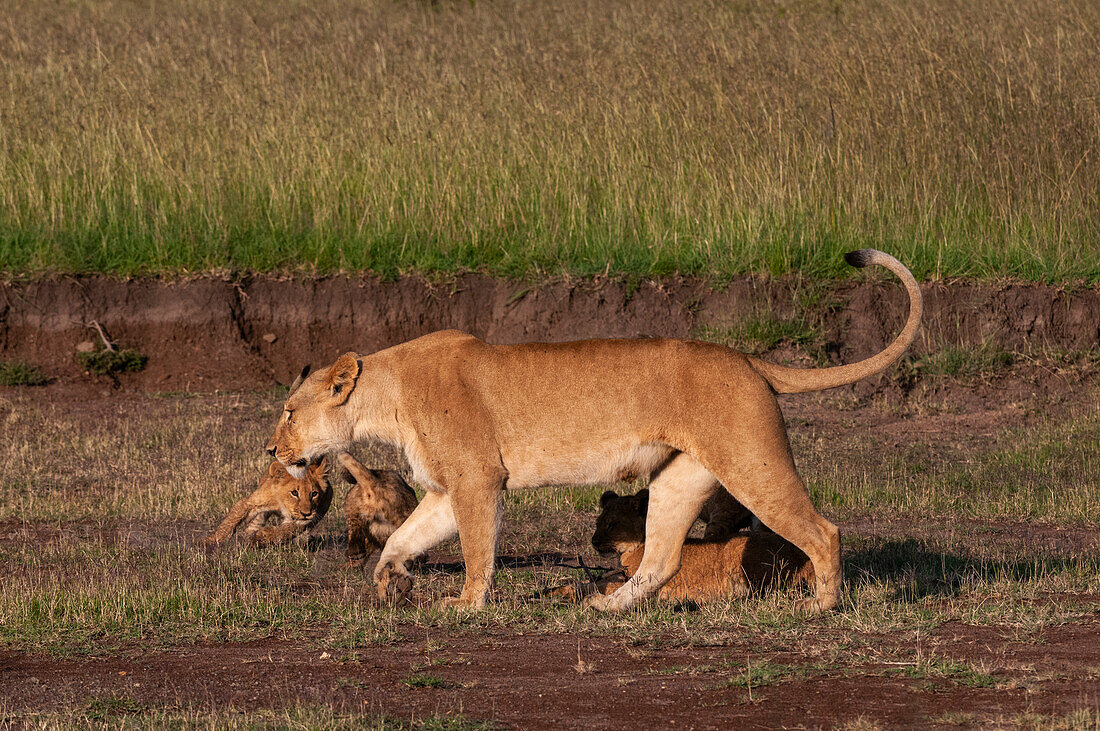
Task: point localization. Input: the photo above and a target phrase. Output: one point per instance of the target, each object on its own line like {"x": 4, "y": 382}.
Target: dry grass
{"x": 640, "y": 137}
{"x": 102, "y": 506}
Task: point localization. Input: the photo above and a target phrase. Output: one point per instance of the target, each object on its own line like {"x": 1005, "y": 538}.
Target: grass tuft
{"x": 18, "y": 373}
{"x": 105, "y": 362}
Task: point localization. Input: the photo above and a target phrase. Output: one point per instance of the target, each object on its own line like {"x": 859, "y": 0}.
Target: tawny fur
{"x": 379, "y": 502}
{"x": 298, "y": 505}
{"x": 475, "y": 419}
{"x": 709, "y": 569}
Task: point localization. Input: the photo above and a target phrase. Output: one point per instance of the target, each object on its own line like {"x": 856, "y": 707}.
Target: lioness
{"x": 379, "y": 502}
{"x": 709, "y": 569}
{"x": 298, "y": 503}
{"x": 474, "y": 419}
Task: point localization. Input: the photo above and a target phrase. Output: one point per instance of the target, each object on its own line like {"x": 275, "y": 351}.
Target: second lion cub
{"x": 709, "y": 569}
{"x": 377, "y": 504}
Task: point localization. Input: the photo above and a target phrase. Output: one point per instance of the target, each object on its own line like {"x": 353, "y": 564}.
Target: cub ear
{"x": 298, "y": 381}
{"x": 342, "y": 376}
{"x": 643, "y": 501}
{"x": 607, "y": 497}
{"x": 320, "y": 469}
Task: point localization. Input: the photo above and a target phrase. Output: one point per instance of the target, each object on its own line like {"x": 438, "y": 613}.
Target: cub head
{"x": 314, "y": 421}
{"x": 298, "y": 499}
{"x": 620, "y": 526}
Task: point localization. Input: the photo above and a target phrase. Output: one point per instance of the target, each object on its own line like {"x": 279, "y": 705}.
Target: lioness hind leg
{"x": 776, "y": 495}
{"x": 432, "y": 522}
{"x": 675, "y": 496}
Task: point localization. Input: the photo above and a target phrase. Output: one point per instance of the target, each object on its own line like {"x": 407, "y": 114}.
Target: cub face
{"x": 313, "y": 421}
{"x": 298, "y": 500}
{"x": 620, "y": 526}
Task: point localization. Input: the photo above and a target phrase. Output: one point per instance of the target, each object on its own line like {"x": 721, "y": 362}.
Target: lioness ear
{"x": 643, "y": 501}
{"x": 607, "y": 497}
{"x": 342, "y": 376}
{"x": 298, "y": 381}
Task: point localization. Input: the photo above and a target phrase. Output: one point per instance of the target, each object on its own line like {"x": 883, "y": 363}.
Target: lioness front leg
{"x": 429, "y": 524}
{"x": 479, "y": 510}
{"x": 676, "y": 494}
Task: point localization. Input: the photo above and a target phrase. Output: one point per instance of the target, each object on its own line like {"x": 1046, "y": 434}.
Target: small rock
{"x": 270, "y": 337}
{"x": 325, "y": 656}
{"x": 86, "y": 346}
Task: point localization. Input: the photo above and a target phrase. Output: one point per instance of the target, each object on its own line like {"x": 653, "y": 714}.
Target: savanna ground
{"x": 971, "y": 539}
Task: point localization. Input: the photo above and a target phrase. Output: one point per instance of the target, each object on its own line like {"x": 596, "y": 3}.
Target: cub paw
{"x": 262, "y": 537}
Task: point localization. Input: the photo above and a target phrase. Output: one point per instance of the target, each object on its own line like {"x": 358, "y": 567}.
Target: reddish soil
{"x": 206, "y": 334}
{"x": 535, "y": 681}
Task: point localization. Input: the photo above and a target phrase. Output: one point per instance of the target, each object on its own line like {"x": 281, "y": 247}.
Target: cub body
{"x": 376, "y": 505}
{"x": 709, "y": 569}
{"x": 298, "y": 505}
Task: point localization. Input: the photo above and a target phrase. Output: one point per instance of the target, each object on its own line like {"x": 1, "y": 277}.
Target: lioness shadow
{"x": 915, "y": 570}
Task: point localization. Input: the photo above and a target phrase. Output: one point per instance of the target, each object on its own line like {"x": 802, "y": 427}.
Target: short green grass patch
{"x": 105, "y": 362}
{"x": 18, "y": 373}
{"x": 758, "y": 334}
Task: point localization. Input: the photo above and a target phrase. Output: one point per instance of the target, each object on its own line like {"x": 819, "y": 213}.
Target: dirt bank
{"x": 209, "y": 333}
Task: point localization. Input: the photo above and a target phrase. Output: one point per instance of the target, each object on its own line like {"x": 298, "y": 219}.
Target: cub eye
{"x": 294, "y": 493}
{"x": 314, "y": 495}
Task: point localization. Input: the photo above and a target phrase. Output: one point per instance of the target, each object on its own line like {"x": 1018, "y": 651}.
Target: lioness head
{"x": 314, "y": 422}
{"x": 621, "y": 524}
{"x": 298, "y": 499}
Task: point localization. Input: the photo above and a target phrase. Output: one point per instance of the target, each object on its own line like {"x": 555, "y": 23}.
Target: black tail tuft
{"x": 859, "y": 258}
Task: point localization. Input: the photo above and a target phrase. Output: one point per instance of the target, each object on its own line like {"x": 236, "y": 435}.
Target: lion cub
{"x": 709, "y": 569}
{"x": 377, "y": 504}
{"x": 299, "y": 505}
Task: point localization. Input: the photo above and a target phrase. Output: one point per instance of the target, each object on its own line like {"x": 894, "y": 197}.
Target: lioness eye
{"x": 314, "y": 495}
{"x": 294, "y": 493}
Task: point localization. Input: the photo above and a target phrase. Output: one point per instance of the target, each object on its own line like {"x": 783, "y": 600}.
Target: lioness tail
{"x": 801, "y": 380}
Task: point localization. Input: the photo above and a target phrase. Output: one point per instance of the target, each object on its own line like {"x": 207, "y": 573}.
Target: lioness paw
{"x": 461, "y": 603}
{"x": 599, "y": 602}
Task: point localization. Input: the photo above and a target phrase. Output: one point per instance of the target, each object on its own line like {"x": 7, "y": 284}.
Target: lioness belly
{"x": 535, "y": 466}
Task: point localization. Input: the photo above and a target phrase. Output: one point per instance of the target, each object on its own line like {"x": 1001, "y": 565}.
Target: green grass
{"x": 18, "y": 373}
{"x": 757, "y": 334}
{"x": 1043, "y": 472}
{"x": 636, "y": 138}
{"x": 104, "y": 362}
